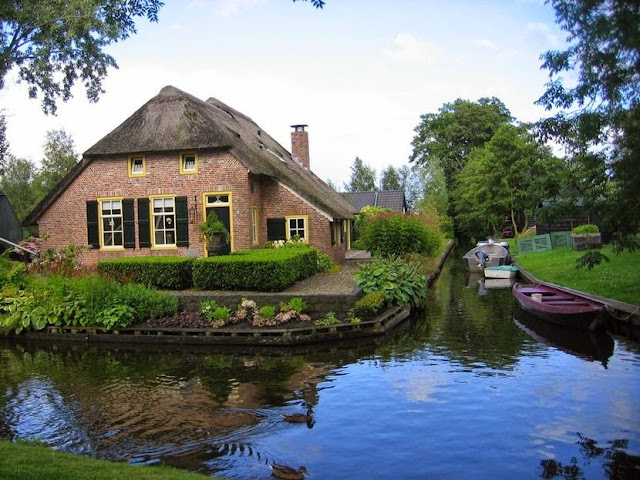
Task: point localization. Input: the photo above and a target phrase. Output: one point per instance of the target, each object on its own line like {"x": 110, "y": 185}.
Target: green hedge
{"x": 264, "y": 269}
{"x": 172, "y": 273}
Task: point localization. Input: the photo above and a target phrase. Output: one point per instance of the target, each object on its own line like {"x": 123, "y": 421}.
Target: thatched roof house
{"x": 225, "y": 151}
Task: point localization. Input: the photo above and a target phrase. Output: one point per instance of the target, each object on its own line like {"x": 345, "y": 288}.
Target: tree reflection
{"x": 616, "y": 463}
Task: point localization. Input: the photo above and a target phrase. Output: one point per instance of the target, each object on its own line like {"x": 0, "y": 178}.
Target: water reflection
{"x": 462, "y": 390}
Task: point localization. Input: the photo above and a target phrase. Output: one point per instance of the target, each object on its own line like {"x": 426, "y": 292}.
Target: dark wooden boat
{"x": 560, "y": 306}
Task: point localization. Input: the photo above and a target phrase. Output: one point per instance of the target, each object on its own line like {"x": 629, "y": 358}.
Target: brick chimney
{"x": 300, "y": 145}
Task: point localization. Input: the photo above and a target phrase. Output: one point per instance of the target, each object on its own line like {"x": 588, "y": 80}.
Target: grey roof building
{"x": 392, "y": 199}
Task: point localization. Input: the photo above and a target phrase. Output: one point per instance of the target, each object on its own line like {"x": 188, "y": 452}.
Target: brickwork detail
{"x": 65, "y": 221}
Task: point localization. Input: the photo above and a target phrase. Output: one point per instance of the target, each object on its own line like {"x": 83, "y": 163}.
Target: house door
{"x": 221, "y": 205}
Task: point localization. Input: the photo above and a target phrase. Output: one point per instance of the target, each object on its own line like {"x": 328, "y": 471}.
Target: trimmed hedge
{"x": 167, "y": 272}
{"x": 263, "y": 269}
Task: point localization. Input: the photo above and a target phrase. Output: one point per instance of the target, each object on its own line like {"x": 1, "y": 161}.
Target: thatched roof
{"x": 176, "y": 120}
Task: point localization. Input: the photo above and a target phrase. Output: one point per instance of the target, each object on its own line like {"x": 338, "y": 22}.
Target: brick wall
{"x": 66, "y": 223}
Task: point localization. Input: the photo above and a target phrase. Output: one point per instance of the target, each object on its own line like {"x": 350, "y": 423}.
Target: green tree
{"x": 363, "y": 177}
{"x": 446, "y": 138}
{"x": 53, "y": 43}
{"x": 17, "y": 184}
{"x": 4, "y": 143}
{"x": 59, "y": 157}
{"x": 508, "y": 178}
{"x": 600, "y": 107}
{"x": 390, "y": 179}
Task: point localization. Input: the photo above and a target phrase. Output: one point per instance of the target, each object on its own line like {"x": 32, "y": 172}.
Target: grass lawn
{"x": 618, "y": 279}
{"x": 24, "y": 461}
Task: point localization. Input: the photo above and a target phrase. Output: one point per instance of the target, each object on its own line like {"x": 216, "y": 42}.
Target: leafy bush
{"x": 170, "y": 272}
{"x": 400, "y": 282}
{"x": 264, "y": 269}
{"x": 365, "y": 215}
{"x": 585, "y": 229}
{"x": 328, "y": 320}
{"x": 147, "y": 302}
{"x": 268, "y": 312}
{"x": 13, "y": 273}
{"x": 390, "y": 234}
{"x": 369, "y": 305}
{"x": 297, "y": 304}
{"x": 324, "y": 262}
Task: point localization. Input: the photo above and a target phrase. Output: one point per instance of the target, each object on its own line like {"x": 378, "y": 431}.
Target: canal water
{"x": 473, "y": 388}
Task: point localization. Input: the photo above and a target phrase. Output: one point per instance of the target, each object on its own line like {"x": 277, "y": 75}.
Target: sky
{"x": 359, "y": 73}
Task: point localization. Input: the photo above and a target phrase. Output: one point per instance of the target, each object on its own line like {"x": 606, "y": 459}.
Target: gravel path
{"x": 338, "y": 282}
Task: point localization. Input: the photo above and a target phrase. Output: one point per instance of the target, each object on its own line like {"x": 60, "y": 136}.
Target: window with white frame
{"x": 164, "y": 221}
{"x": 111, "y": 222}
{"x": 297, "y": 228}
{"x": 188, "y": 163}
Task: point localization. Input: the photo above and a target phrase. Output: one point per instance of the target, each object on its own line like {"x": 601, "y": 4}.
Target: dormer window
{"x": 136, "y": 166}
{"x": 188, "y": 163}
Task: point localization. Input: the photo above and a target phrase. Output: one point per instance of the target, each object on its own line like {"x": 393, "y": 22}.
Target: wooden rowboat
{"x": 559, "y": 306}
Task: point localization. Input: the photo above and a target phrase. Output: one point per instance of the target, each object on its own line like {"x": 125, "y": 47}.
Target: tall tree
{"x": 59, "y": 157}
{"x": 600, "y": 108}
{"x": 508, "y": 178}
{"x": 53, "y": 43}
{"x": 4, "y": 143}
{"x": 363, "y": 177}
{"x": 446, "y": 138}
{"x": 390, "y": 179}
{"x": 17, "y": 184}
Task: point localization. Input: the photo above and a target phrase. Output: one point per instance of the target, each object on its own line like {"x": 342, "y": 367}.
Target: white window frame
{"x": 163, "y": 220}
{"x": 109, "y": 229}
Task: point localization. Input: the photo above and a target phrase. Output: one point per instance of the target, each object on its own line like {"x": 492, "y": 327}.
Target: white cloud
{"x": 484, "y": 43}
{"x": 407, "y": 48}
{"x": 227, "y": 8}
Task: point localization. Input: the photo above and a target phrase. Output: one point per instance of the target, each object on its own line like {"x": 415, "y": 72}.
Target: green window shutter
{"x": 144, "y": 226}
{"x": 93, "y": 232}
{"x": 276, "y": 229}
{"x": 129, "y": 223}
{"x": 182, "y": 222}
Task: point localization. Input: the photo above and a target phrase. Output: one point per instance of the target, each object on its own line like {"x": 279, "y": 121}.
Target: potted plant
{"x": 586, "y": 236}
{"x": 214, "y": 232}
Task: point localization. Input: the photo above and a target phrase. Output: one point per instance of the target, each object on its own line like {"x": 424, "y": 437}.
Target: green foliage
{"x": 591, "y": 259}
{"x": 268, "y": 311}
{"x": 212, "y": 226}
{"x": 369, "y": 305}
{"x": 167, "y": 272}
{"x": 221, "y": 314}
{"x": 296, "y": 304}
{"x": 12, "y": 273}
{"x": 399, "y": 281}
{"x": 118, "y": 316}
{"x": 328, "y": 320}
{"x": 207, "y": 307}
{"x": 62, "y": 42}
{"x": 17, "y": 185}
{"x": 585, "y": 229}
{"x": 398, "y": 234}
{"x": 59, "y": 157}
{"x": 363, "y": 177}
{"x": 390, "y": 179}
{"x": 366, "y": 214}
{"x": 324, "y": 262}
{"x": 264, "y": 269}
{"x": 146, "y": 302}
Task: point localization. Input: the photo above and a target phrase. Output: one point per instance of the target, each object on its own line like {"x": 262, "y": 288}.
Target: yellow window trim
{"x": 188, "y": 172}
{"x": 255, "y": 228}
{"x": 306, "y": 226}
{"x": 153, "y": 223}
{"x": 100, "y": 229}
{"x": 130, "y": 166}
{"x": 204, "y": 215}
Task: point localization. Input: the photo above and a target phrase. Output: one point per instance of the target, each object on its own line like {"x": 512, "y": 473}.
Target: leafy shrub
{"x": 365, "y": 215}
{"x": 400, "y": 282}
{"x": 585, "y": 229}
{"x": 369, "y": 305}
{"x": 13, "y": 273}
{"x": 297, "y": 304}
{"x": 263, "y": 269}
{"x": 328, "y": 320}
{"x": 324, "y": 262}
{"x": 147, "y": 302}
{"x": 268, "y": 312}
{"x": 170, "y": 272}
{"x": 390, "y": 234}
{"x": 207, "y": 307}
